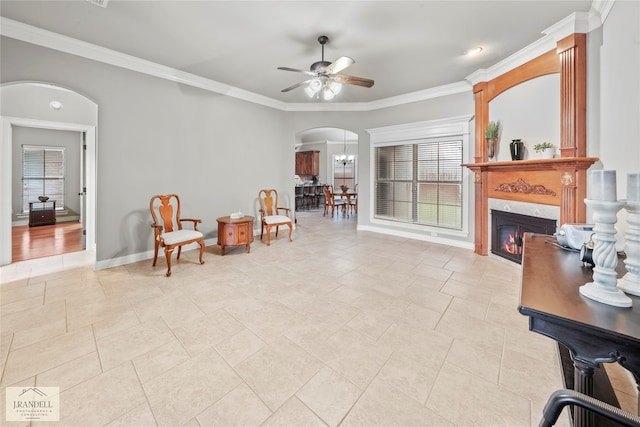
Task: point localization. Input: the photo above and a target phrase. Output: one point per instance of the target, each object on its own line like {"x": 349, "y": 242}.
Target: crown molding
{"x": 583, "y": 22}
{"x": 420, "y": 130}
{"x": 577, "y": 22}
{"x": 535, "y": 49}
{"x": 422, "y": 95}
{"x": 38, "y": 36}
{"x": 601, "y": 8}
{"x": 34, "y": 35}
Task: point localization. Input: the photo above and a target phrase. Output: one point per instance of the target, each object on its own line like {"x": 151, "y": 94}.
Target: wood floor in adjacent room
{"x": 45, "y": 240}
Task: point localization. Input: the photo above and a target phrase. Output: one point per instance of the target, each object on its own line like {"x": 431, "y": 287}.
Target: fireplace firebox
{"x": 507, "y": 231}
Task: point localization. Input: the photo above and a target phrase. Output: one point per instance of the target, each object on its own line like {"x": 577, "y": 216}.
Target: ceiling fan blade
{"x": 339, "y": 65}
{"x": 296, "y": 85}
{"x": 295, "y": 70}
{"x": 352, "y": 80}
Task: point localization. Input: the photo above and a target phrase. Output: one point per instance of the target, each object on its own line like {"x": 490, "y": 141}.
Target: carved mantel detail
{"x": 521, "y": 186}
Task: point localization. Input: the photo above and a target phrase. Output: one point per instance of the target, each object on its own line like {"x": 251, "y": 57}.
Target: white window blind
{"x": 420, "y": 183}
{"x": 42, "y": 174}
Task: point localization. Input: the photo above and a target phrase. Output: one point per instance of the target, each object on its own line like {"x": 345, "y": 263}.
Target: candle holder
{"x": 630, "y": 283}
{"x": 603, "y": 288}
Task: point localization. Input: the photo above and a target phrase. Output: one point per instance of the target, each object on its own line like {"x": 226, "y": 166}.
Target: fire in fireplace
{"x": 507, "y": 231}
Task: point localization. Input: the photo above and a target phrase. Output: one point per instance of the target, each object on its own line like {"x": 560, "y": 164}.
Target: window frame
{"x": 414, "y": 178}
{"x": 456, "y": 128}
{"x": 352, "y": 178}
{"x": 61, "y": 178}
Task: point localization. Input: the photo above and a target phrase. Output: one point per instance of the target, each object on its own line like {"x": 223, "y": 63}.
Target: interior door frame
{"x": 6, "y": 183}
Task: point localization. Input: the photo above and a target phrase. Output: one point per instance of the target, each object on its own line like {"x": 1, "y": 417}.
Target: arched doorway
{"x": 46, "y": 106}
{"x": 333, "y": 144}
{"x": 337, "y": 151}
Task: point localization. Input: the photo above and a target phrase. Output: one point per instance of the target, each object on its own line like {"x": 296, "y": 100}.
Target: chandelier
{"x": 343, "y": 159}
{"x": 323, "y": 86}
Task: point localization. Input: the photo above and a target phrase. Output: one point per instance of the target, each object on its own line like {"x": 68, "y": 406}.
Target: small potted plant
{"x": 491, "y": 133}
{"x": 546, "y": 148}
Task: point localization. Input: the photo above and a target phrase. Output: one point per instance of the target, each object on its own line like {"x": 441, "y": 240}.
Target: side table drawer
{"x": 42, "y": 217}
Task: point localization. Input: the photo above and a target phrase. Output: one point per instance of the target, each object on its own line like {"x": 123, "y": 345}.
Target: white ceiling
{"x": 405, "y": 46}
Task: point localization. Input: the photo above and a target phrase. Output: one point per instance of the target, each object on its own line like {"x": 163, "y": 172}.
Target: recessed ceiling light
{"x": 56, "y": 105}
{"x": 473, "y": 51}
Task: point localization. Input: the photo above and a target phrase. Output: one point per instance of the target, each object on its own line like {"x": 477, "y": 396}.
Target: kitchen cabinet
{"x": 308, "y": 163}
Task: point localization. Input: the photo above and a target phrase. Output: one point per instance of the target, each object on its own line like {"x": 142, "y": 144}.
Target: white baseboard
{"x": 416, "y": 236}
{"x": 141, "y": 256}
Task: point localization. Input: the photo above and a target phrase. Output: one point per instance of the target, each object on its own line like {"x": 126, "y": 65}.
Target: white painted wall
{"x": 619, "y": 133}
{"x": 529, "y": 111}
{"x": 614, "y": 101}
{"x": 157, "y": 136}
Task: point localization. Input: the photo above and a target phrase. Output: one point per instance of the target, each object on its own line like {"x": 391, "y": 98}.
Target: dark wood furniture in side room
{"x": 594, "y": 333}
{"x": 45, "y": 214}
{"x": 235, "y": 232}
{"x": 308, "y": 163}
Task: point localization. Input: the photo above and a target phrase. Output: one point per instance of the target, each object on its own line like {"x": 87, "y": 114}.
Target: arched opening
{"x": 41, "y": 110}
{"x": 336, "y": 151}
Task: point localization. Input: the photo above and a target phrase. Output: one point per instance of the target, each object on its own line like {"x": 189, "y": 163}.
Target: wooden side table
{"x": 43, "y": 215}
{"x": 235, "y": 232}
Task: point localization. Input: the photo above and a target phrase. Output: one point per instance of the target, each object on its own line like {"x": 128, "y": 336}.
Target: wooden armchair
{"x": 166, "y": 235}
{"x": 270, "y": 214}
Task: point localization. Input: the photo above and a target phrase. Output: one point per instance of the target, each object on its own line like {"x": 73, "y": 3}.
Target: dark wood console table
{"x": 45, "y": 214}
{"x": 594, "y": 333}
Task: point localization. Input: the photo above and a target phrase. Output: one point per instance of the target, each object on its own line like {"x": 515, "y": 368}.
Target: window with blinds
{"x": 42, "y": 174}
{"x": 420, "y": 183}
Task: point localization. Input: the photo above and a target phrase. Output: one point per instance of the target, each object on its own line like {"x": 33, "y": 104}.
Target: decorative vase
{"x": 517, "y": 149}
{"x": 344, "y": 188}
{"x": 491, "y": 147}
{"x": 547, "y": 153}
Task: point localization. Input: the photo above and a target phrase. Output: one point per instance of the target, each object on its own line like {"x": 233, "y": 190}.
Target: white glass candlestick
{"x": 603, "y": 288}
{"x": 633, "y": 187}
{"x": 630, "y": 283}
{"x": 602, "y": 185}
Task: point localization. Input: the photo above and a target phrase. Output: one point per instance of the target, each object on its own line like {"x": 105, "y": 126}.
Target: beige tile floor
{"x": 338, "y": 327}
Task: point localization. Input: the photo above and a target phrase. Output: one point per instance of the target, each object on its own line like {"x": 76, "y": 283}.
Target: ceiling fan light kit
{"x": 326, "y": 82}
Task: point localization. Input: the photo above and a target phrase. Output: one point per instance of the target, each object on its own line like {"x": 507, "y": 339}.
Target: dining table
{"x": 347, "y": 196}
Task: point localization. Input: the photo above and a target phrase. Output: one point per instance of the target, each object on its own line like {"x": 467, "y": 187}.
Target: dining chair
{"x": 353, "y": 200}
{"x": 330, "y": 201}
{"x": 270, "y": 214}
{"x": 167, "y": 229}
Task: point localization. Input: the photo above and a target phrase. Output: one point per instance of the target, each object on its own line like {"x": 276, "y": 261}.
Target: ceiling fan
{"x": 325, "y": 81}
